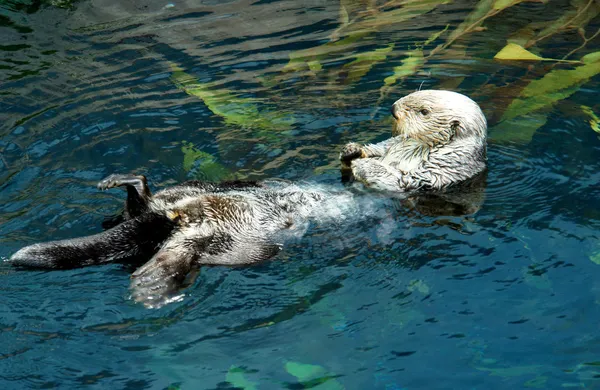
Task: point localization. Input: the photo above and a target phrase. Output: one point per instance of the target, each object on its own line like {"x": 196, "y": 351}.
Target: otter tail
{"x": 141, "y": 236}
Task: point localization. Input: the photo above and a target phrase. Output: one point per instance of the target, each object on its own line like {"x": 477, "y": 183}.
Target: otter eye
{"x": 424, "y": 112}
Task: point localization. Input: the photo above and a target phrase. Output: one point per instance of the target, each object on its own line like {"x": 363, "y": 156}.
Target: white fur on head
{"x": 436, "y": 117}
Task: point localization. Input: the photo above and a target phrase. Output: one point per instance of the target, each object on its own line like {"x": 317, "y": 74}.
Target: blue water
{"x": 506, "y": 298}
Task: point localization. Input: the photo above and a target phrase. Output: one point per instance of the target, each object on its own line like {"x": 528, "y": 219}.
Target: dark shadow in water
{"x": 462, "y": 199}
{"x": 465, "y": 198}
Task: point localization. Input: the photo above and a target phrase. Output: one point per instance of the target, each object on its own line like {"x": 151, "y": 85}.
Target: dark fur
{"x": 139, "y": 237}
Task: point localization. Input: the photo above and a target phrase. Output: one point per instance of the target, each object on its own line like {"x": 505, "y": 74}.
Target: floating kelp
{"x": 540, "y": 95}
{"x": 594, "y": 121}
{"x": 529, "y": 110}
{"x": 342, "y": 61}
{"x": 234, "y": 110}
{"x": 587, "y": 374}
{"x": 330, "y": 313}
{"x": 510, "y": 372}
{"x": 519, "y": 130}
{"x": 595, "y": 258}
{"x": 394, "y": 12}
{"x": 534, "y": 278}
{"x": 309, "y": 376}
{"x": 413, "y": 62}
{"x": 483, "y": 10}
{"x": 356, "y": 28}
{"x": 409, "y": 66}
{"x": 418, "y": 285}
{"x": 513, "y": 51}
{"x": 311, "y": 58}
{"x": 554, "y": 86}
{"x": 576, "y": 18}
{"x": 31, "y": 6}
{"x": 364, "y": 62}
{"x": 237, "y": 378}
{"x": 201, "y": 165}
{"x": 313, "y": 377}
{"x": 499, "y": 5}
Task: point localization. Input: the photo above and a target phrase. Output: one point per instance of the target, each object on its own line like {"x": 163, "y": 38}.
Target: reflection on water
{"x": 504, "y": 298}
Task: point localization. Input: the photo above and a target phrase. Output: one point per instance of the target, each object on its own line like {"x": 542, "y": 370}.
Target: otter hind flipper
{"x": 177, "y": 264}
{"x": 158, "y": 282}
{"x": 138, "y": 193}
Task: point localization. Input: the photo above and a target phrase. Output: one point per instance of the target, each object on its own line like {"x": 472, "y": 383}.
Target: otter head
{"x": 437, "y": 118}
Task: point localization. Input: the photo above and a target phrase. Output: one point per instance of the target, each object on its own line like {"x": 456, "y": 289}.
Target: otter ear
{"x": 455, "y": 125}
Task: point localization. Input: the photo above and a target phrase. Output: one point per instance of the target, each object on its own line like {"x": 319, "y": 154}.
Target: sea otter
{"x": 185, "y": 226}
{"x": 439, "y": 140}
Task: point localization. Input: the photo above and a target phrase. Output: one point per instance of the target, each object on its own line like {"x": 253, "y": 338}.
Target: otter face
{"x": 437, "y": 117}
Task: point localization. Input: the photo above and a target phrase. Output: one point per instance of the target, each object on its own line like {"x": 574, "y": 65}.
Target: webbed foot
{"x": 119, "y": 180}
{"x": 160, "y": 280}
{"x": 138, "y": 193}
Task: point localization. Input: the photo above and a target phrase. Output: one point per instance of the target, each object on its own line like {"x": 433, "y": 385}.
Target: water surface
{"x": 505, "y": 298}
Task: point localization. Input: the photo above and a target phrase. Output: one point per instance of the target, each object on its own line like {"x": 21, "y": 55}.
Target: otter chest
{"x": 406, "y": 155}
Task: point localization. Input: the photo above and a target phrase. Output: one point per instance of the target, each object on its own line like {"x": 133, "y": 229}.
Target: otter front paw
{"x": 350, "y": 152}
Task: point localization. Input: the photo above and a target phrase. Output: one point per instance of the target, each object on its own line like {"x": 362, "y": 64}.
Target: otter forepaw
{"x": 351, "y": 152}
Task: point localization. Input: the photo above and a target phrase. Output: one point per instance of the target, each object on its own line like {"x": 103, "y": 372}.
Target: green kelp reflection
{"x": 234, "y": 110}
{"x": 308, "y": 376}
{"x": 533, "y": 98}
{"x": 201, "y": 165}
{"x": 365, "y": 39}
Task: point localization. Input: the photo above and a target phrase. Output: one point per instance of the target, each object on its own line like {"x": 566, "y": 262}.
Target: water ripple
{"x": 403, "y": 298}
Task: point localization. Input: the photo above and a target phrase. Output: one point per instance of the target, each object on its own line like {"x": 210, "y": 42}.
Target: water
{"x": 505, "y": 298}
